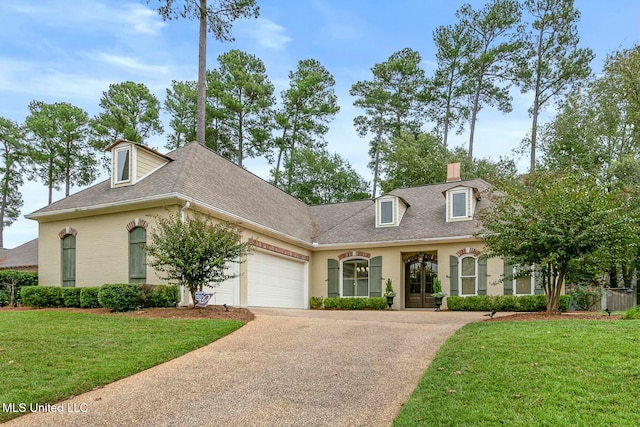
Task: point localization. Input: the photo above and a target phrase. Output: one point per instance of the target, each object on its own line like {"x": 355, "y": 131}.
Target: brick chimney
{"x": 453, "y": 172}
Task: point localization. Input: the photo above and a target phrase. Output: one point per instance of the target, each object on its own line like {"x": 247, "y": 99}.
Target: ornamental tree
{"x": 194, "y": 251}
{"x": 560, "y": 223}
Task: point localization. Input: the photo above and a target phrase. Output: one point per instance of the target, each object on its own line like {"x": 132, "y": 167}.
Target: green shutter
{"x": 508, "y": 277}
{"x": 482, "y": 276}
{"x": 539, "y": 279}
{"x": 69, "y": 261}
{"x": 137, "y": 255}
{"x": 333, "y": 278}
{"x": 453, "y": 275}
{"x": 375, "y": 277}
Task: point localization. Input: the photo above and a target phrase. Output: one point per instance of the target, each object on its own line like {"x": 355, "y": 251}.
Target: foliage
{"x": 315, "y": 303}
{"x": 319, "y": 177}
{"x": 89, "y": 297}
{"x": 195, "y": 252}
{"x": 159, "y": 295}
{"x": 129, "y": 111}
{"x": 41, "y": 296}
{"x": 4, "y": 298}
{"x": 529, "y": 373}
{"x": 528, "y": 303}
{"x": 632, "y": 313}
{"x": 12, "y": 158}
{"x": 558, "y": 222}
{"x": 244, "y": 94}
{"x": 392, "y": 103}
{"x": 180, "y": 103}
{"x": 552, "y": 62}
{"x": 83, "y": 352}
{"x": 373, "y": 303}
{"x": 71, "y": 297}
{"x": 585, "y": 296}
{"x": 119, "y": 296}
{"x": 13, "y": 280}
{"x": 437, "y": 288}
{"x": 308, "y": 105}
{"x": 388, "y": 287}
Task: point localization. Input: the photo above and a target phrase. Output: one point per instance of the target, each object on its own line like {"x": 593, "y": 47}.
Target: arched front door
{"x": 419, "y": 272}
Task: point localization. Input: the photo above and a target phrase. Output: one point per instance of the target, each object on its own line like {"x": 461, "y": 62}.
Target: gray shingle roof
{"x": 25, "y": 255}
{"x": 198, "y": 174}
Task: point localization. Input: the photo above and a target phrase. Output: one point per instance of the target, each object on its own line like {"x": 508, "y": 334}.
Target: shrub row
{"x": 116, "y": 297}
{"x": 11, "y": 283}
{"x": 504, "y": 303}
{"x": 373, "y": 303}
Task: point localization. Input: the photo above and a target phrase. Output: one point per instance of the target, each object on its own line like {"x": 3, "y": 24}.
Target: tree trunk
{"x": 376, "y": 163}
{"x": 50, "y": 181}
{"x": 202, "y": 74}
{"x": 536, "y": 104}
{"x": 474, "y": 115}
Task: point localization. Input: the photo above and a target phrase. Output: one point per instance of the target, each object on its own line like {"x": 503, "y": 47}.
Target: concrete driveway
{"x": 285, "y": 368}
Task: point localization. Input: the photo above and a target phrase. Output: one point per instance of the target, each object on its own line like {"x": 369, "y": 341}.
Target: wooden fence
{"x": 619, "y": 299}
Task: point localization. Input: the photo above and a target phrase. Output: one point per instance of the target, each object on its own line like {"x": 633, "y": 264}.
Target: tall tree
{"x": 554, "y": 63}
{"x": 448, "y": 107}
{"x": 245, "y": 91}
{"x": 215, "y": 16}
{"x": 180, "y": 103}
{"x": 12, "y": 153}
{"x": 308, "y": 105}
{"x": 59, "y": 147}
{"x": 558, "y": 222}
{"x": 320, "y": 177}
{"x": 130, "y": 111}
{"x": 492, "y": 56}
{"x": 392, "y": 102}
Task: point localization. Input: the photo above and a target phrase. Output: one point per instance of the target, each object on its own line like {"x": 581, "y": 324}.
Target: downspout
{"x": 184, "y": 208}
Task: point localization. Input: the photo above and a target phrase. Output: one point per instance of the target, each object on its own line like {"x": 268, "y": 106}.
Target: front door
{"x": 418, "y": 275}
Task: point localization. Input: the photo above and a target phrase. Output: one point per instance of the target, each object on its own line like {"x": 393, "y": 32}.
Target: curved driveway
{"x": 285, "y": 368}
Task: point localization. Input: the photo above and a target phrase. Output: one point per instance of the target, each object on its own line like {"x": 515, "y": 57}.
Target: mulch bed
{"x": 210, "y": 312}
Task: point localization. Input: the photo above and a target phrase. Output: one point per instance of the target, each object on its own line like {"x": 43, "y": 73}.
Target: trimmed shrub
{"x": 4, "y": 298}
{"x": 71, "y": 297}
{"x": 89, "y": 297}
{"x": 42, "y": 296}
{"x": 563, "y": 304}
{"x": 315, "y": 303}
{"x": 505, "y": 303}
{"x": 455, "y": 303}
{"x": 12, "y": 281}
{"x": 532, "y": 303}
{"x": 165, "y": 296}
{"x": 119, "y": 296}
{"x": 376, "y": 303}
{"x": 331, "y": 303}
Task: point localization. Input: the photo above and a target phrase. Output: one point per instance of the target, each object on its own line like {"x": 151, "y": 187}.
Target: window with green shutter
{"x": 69, "y": 260}
{"x": 137, "y": 255}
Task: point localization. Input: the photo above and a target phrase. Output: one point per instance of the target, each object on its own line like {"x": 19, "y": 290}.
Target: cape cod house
{"x": 408, "y": 235}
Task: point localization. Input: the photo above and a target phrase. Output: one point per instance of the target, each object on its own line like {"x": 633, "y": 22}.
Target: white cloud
{"x": 128, "y": 62}
{"x": 265, "y": 33}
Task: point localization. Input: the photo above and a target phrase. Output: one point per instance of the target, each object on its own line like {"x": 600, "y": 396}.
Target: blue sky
{"x": 71, "y": 50}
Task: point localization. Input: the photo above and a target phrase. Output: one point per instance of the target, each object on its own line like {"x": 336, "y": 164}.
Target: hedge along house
{"x": 409, "y": 235}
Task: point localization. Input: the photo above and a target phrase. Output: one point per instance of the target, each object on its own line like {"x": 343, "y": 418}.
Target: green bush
{"x": 12, "y": 281}
{"x": 632, "y": 313}
{"x": 531, "y": 303}
{"x": 315, "y": 303}
{"x": 165, "y": 296}
{"x": 4, "y": 298}
{"x": 505, "y": 303}
{"x": 455, "y": 303}
{"x": 42, "y": 296}
{"x": 331, "y": 303}
{"x": 119, "y": 296}
{"x": 376, "y": 303}
{"x": 89, "y": 297}
{"x": 71, "y": 297}
{"x": 563, "y": 304}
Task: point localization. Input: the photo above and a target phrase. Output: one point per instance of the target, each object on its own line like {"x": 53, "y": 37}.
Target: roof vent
{"x": 453, "y": 172}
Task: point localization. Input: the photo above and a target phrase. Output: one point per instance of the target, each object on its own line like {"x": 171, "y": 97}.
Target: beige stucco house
{"x": 409, "y": 235}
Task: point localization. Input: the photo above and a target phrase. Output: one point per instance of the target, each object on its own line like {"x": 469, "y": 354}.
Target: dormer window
{"x": 123, "y": 165}
{"x": 389, "y": 210}
{"x": 461, "y": 203}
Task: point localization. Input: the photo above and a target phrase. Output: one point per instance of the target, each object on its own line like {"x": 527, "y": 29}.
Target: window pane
{"x": 468, "y": 285}
{"x": 123, "y": 165}
{"x": 414, "y": 278}
{"x": 468, "y": 266}
{"x": 348, "y": 288}
{"x": 459, "y": 204}
{"x": 137, "y": 255}
{"x": 355, "y": 278}
{"x": 362, "y": 288}
{"x": 523, "y": 285}
{"x": 386, "y": 212}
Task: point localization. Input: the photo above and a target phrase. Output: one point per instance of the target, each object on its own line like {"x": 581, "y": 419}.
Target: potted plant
{"x": 389, "y": 293}
{"x": 437, "y": 292}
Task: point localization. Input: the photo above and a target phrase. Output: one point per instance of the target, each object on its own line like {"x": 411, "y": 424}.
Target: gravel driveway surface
{"x": 285, "y": 368}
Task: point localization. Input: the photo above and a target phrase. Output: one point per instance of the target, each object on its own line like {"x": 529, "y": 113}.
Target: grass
{"x": 542, "y": 373}
{"x": 47, "y": 356}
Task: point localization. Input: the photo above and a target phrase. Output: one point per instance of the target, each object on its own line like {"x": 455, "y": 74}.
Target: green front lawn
{"x": 47, "y": 356}
{"x": 539, "y": 373}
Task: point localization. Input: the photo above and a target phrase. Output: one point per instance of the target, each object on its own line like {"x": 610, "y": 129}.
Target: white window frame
{"x": 460, "y": 276}
{"x": 394, "y": 211}
{"x": 356, "y": 287}
{"x": 393, "y": 219}
{"x": 452, "y": 195}
{"x": 116, "y": 169}
{"x": 532, "y": 288}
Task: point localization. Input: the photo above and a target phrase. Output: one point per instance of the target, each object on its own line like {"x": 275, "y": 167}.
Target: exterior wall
{"x": 146, "y": 163}
{"x": 393, "y": 267}
{"x": 102, "y": 248}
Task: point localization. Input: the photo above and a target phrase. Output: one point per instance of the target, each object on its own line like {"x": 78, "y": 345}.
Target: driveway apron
{"x": 285, "y": 368}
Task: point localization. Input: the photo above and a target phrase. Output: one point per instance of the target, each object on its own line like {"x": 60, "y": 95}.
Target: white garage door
{"x": 274, "y": 281}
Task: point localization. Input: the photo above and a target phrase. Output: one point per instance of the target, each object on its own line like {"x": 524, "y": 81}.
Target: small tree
{"x": 559, "y": 222}
{"x": 194, "y": 251}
